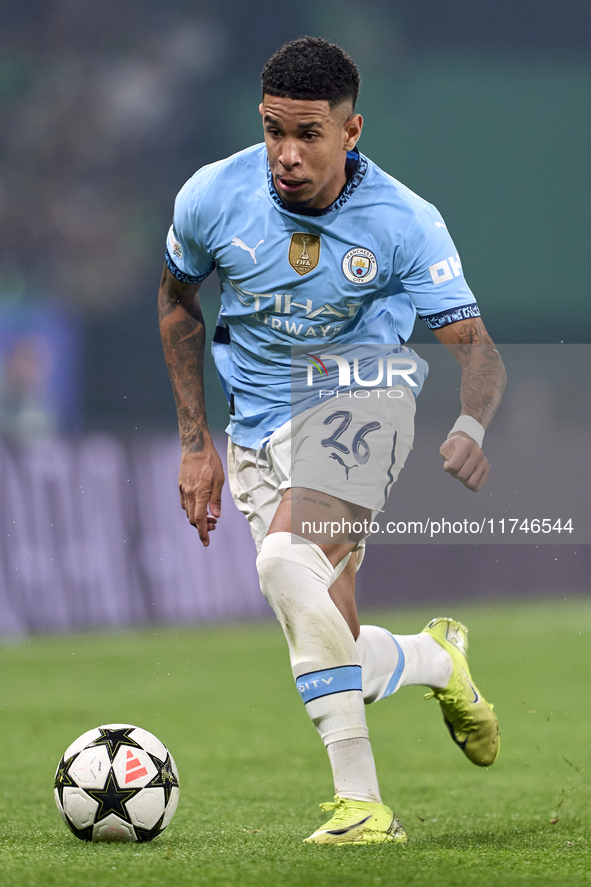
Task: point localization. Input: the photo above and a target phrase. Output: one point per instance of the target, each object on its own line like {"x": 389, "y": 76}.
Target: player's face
{"x": 307, "y": 144}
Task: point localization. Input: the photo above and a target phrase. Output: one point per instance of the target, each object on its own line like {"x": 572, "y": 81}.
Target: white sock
{"x": 426, "y": 662}
{"x": 389, "y": 662}
{"x": 354, "y": 770}
{"x": 295, "y": 579}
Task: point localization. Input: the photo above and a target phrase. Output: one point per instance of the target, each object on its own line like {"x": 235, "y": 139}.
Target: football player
{"x": 317, "y": 248}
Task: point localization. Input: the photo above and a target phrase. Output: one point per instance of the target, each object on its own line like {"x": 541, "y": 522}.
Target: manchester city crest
{"x": 359, "y": 265}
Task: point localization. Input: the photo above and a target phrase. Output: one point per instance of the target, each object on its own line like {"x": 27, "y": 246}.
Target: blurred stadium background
{"x": 105, "y": 110}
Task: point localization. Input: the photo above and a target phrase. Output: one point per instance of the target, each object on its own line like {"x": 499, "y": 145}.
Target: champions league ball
{"x": 117, "y": 783}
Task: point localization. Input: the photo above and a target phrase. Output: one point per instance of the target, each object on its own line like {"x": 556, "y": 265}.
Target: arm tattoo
{"x": 183, "y": 340}
{"x": 483, "y": 372}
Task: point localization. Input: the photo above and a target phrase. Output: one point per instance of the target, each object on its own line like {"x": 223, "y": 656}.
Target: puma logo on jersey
{"x": 237, "y": 242}
{"x": 347, "y": 468}
{"x": 439, "y": 225}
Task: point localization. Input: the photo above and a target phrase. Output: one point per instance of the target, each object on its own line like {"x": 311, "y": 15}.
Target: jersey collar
{"x": 355, "y": 168}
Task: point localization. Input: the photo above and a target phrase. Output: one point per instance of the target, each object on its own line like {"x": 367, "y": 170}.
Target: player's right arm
{"x": 182, "y": 329}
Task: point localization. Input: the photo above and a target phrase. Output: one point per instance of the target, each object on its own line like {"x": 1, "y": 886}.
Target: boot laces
{"x": 343, "y": 810}
{"x": 462, "y": 718}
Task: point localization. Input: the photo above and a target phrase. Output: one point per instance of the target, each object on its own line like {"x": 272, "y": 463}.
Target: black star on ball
{"x": 63, "y": 779}
{"x": 114, "y": 739}
{"x": 111, "y": 799}
{"x": 164, "y": 778}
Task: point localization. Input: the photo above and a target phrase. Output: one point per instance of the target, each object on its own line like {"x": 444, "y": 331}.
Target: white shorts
{"x": 350, "y": 448}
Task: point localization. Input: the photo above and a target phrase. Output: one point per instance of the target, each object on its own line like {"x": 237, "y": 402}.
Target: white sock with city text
{"x": 295, "y": 577}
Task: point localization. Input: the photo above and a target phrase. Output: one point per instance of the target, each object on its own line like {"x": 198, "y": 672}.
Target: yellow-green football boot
{"x": 468, "y": 716}
{"x": 358, "y": 822}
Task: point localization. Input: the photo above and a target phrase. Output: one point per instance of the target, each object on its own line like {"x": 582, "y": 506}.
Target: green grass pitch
{"x": 253, "y": 770}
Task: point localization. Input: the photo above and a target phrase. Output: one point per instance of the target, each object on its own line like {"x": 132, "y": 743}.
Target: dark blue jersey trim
{"x": 222, "y": 335}
{"x": 356, "y": 167}
{"x": 452, "y": 315}
{"x": 180, "y": 275}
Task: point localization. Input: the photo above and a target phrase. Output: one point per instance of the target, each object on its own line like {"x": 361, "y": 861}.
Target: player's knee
{"x": 283, "y": 563}
{"x": 295, "y": 576}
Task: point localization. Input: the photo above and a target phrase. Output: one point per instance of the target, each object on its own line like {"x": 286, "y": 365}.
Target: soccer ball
{"x": 117, "y": 783}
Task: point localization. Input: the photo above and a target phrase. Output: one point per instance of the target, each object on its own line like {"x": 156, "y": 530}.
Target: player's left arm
{"x": 483, "y": 383}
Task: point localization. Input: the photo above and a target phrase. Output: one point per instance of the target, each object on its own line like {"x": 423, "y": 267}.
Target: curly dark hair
{"x": 311, "y": 68}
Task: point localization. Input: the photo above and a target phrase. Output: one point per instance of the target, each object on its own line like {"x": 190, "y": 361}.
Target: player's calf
{"x": 295, "y": 577}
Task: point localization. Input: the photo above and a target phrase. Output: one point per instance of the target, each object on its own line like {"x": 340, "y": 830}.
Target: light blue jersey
{"x": 356, "y": 272}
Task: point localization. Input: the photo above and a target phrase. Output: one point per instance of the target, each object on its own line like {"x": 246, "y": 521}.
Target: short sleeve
{"x": 186, "y": 255}
{"x": 429, "y": 268}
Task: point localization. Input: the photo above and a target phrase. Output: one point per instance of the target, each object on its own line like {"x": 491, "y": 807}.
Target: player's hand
{"x": 465, "y": 460}
{"x": 200, "y": 486}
